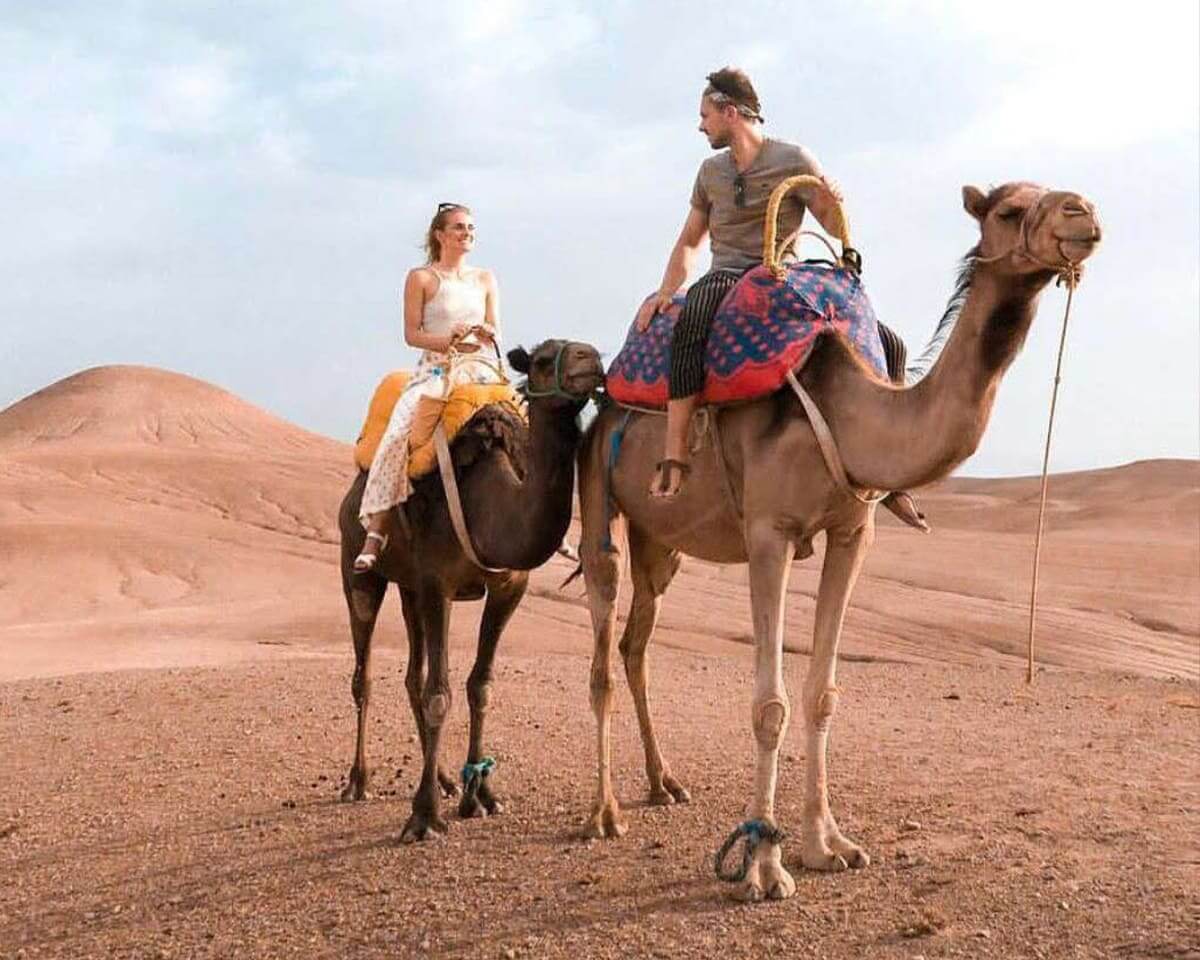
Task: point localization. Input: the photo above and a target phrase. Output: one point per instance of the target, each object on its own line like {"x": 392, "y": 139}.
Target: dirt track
{"x": 187, "y": 808}
{"x": 193, "y": 813}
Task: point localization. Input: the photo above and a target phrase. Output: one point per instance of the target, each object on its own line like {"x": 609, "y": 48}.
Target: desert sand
{"x": 175, "y": 718}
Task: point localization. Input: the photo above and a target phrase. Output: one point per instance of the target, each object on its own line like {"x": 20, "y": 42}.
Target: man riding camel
{"x": 729, "y": 204}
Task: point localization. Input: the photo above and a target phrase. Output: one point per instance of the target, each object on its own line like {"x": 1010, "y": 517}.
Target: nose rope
{"x": 1071, "y": 278}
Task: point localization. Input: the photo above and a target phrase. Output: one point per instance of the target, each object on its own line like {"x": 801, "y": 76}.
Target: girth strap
{"x": 829, "y": 450}
{"x": 454, "y": 502}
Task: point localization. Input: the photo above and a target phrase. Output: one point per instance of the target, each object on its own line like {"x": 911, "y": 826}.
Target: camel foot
{"x": 479, "y": 803}
{"x": 671, "y": 791}
{"x": 765, "y": 880}
{"x": 605, "y": 823}
{"x": 855, "y": 856}
{"x": 448, "y": 784}
{"x": 356, "y": 787}
{"x": 423, "y": 826}
{"x": 820, "y": 857}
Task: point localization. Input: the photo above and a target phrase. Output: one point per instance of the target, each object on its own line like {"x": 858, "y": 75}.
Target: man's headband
{"x": 721, "y": 97}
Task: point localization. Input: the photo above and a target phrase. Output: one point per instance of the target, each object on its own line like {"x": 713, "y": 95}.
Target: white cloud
{"x": 192, "y": 99}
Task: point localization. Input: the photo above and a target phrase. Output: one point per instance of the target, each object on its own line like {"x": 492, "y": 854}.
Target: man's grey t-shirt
{"x": 737, "y": 232}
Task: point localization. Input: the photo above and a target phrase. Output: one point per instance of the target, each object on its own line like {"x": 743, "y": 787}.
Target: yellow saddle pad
{"x": 454, "y": 413}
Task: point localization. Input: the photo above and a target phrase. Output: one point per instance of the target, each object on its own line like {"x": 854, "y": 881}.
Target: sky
{"x": 236, "y": 191}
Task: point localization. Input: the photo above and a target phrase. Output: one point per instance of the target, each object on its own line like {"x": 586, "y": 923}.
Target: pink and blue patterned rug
{"x": 763, "y": 328}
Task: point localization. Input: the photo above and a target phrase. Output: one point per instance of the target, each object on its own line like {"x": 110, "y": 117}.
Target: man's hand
{"x": 656, "y": 304}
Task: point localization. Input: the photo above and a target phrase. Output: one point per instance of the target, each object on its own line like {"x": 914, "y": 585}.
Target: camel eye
{"x": 1009, "y": 213}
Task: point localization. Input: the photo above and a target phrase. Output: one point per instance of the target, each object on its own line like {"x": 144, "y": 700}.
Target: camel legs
{"x": 503, "y": 596}
{"x": 824, "y": 847}
{"x": 433, "y": 608}
{"x": 364, "y": 596}
{"x": 414, "y": 678}
{"x": 652, "y": 567}
{"x": 603, "y": 578}
{"x": 770, "y": 563}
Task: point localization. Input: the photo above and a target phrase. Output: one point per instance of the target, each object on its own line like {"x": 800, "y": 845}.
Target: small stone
{"x": 952, "y": 696}
{"x": 983, "y": 934}
{"x": 1063, "y": 905}
{"x": 510, "y": 954}
{"x": 426, "y": 944}
{"x": 910, "y": 826}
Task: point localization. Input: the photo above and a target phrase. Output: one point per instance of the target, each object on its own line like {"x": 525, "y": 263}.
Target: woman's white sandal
{"x": 365, "y": 562}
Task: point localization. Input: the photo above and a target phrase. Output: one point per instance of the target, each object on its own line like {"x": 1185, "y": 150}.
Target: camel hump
{"x": 763, "y": 329}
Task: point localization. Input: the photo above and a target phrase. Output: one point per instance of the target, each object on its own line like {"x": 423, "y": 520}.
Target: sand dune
{"x": 143, "y": 510}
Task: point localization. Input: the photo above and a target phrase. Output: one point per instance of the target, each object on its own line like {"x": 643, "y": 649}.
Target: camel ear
{"x": 519, "y": 360}
{"x": 974, "y": 202}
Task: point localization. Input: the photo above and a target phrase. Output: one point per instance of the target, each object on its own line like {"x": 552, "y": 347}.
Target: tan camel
{"x": 890, "y": 438}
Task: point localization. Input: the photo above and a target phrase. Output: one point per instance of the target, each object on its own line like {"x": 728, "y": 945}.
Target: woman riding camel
{"x": 451, "y": 314}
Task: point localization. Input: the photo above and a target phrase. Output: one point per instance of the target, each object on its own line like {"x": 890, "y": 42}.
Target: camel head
{"x": 559, "y": 372}
{"x": 1026, "y": 228}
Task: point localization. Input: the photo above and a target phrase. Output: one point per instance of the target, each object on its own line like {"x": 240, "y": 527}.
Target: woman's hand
{"x": 459, "y": 331}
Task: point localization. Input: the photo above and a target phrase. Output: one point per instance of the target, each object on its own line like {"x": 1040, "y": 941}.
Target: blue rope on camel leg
{"x": 753, "y": 832}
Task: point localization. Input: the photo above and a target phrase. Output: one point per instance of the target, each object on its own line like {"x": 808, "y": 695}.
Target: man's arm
{"x": 683, "y": 255}
{"x": 824, "y": 203}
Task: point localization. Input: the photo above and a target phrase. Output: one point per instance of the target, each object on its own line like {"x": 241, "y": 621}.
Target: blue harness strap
{"x": 614, "y": 452}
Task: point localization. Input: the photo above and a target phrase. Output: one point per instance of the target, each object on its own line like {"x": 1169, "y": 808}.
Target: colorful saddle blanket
{"x": 454, "y": 413}
{"x": 763, "y": 328}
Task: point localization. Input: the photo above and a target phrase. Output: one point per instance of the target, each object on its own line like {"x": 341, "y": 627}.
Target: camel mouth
{"x": 1077, "y": 248}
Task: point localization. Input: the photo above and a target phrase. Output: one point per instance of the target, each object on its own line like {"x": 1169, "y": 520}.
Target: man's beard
{"x": 719, "y": 142}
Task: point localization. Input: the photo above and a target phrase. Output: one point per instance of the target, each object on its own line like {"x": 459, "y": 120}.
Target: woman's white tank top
{"x": 454, "y": 300}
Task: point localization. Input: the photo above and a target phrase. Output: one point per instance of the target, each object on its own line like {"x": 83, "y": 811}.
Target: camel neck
{"x": 897, "y": 438}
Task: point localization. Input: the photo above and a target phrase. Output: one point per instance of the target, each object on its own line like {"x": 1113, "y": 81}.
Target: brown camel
{"x": 778, "y": 494}
{"x": 516, "y": 486}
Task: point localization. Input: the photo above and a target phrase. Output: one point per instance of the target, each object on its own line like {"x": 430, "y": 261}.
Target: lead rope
{"x": 1070, "y": 277}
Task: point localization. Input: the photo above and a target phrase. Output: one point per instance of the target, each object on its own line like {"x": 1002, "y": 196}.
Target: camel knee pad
{"x": 822, "y": 709}
{"x": 437, "y": 708}
{"x": 770, "y": 720}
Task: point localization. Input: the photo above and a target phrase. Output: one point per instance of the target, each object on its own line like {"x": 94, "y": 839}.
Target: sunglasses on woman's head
{"x": 448, "y": 206}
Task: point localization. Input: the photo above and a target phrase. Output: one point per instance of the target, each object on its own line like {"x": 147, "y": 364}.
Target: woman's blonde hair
{"x": 433, "y": 246}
